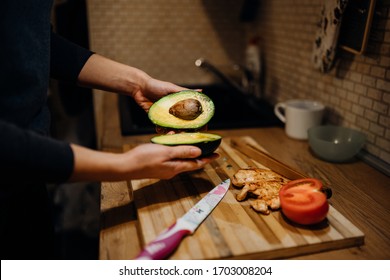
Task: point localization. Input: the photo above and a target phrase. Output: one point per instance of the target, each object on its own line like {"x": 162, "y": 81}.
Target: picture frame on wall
{"x": 356, "y": 25}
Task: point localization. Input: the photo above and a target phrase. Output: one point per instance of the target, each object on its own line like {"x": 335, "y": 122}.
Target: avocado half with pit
{"x": 207, "y": 142}
{"x": 184, "y": 110}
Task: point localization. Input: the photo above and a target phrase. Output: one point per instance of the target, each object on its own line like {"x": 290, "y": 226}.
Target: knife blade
{"x": 168, "y": 240}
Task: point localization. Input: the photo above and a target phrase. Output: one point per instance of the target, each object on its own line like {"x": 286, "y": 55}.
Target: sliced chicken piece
{"x": 253, "y": 175}
{"x": 274, "y": 203}
{"x": 260, "y": 206}
{"x": 263, "y": 184}
{"x": 242, "y": 176}
{"x": 267, "y": 190}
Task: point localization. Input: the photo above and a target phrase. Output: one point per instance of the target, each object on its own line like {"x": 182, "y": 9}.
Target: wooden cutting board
{"x": 233, "y": 230}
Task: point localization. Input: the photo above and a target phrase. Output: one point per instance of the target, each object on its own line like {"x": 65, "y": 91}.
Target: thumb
{"x": 184, "y": 152}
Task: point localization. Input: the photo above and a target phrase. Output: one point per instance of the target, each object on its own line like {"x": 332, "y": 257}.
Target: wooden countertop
{"x": 360, "y": 193}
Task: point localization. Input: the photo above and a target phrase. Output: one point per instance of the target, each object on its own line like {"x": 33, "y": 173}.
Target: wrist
{"x": 91, "y": 165}
{"x": 105, "y": 74}
{"x": 134, "y": 80}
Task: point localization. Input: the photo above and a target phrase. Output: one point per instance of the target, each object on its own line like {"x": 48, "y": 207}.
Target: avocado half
{"x": 207, "y": 142}
{"x": 187, "y": 109}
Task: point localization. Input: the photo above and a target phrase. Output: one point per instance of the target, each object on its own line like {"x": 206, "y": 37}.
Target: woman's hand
{"x": 163, "y": 162}
{"x": 102, "y": 73}
{"x": 152, "y": 90}
{"x": 144, "y": 161}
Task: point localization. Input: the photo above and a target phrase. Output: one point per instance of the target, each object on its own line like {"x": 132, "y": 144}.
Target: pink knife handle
{"x": 164, "y": 244}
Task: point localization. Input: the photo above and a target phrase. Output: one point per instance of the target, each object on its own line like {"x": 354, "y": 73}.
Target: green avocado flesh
{"x": 207, "y": 142}
{"x": 163, "y": 113}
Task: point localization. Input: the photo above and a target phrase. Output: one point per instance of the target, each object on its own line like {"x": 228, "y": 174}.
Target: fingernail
{"x": 215, "y": 156}
{"x": 194, "y": 151}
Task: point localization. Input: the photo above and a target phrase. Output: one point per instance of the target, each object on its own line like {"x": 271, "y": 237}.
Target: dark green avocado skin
{"x": 207, "y": 148}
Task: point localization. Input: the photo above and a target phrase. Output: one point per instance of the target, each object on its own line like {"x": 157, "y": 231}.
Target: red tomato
{"x": 303, "y": 202}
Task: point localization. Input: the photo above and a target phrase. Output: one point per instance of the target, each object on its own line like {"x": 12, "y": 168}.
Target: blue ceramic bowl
{"x": 335, "y": 143}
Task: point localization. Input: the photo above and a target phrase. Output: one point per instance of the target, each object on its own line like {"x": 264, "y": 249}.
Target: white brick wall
{"x": 165, "y": 37}
{"x": 359, "y": 88}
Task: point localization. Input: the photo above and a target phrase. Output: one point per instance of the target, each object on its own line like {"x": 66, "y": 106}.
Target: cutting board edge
{"x": 317, "y": 248}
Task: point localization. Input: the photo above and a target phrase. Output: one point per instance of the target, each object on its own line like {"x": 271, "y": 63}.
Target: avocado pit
{"x": 187, "y": 109}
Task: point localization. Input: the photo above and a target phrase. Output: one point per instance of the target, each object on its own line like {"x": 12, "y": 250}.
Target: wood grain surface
{"x": 360, "y": 192}
{"x": 233, "y": 230}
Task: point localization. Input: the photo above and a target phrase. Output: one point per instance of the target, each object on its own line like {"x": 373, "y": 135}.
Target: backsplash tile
{"x": 165, "y": 37}
{"x": 356, "y": 91}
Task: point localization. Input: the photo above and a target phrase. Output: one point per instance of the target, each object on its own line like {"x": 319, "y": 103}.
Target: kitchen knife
{"x": 167, "y": 241}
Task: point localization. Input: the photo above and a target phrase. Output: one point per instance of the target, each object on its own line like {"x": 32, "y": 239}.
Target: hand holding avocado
{"x": 151, "y": 90}
{"x": 147, "y": 161}
{"x": 163, "y": 162}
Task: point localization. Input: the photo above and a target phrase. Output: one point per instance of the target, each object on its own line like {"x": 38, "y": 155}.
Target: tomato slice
{"x": 302, "y": 201}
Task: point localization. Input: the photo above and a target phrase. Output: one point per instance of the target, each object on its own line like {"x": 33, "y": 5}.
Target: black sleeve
{"x": 29, "y": 157}
{"x": 66, "y": 59}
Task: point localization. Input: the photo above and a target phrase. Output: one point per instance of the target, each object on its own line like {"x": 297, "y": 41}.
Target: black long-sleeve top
{"x": 30, "y": 53}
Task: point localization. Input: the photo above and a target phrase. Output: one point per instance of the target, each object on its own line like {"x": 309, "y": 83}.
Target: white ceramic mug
{"x": 299, "y": 115}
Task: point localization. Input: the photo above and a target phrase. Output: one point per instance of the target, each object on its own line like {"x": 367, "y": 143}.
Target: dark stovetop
{"x": 232, "y": 110}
